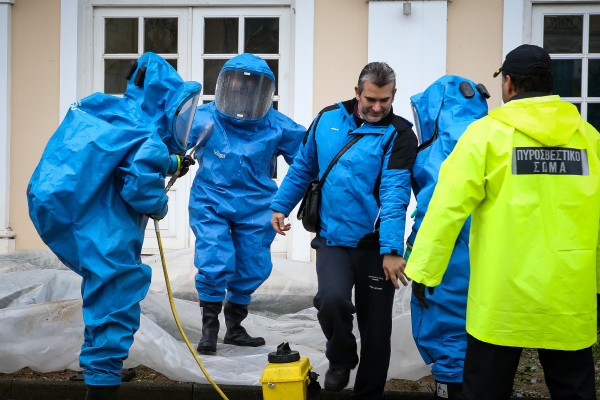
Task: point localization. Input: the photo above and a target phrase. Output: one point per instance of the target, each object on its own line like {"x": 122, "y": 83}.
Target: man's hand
{"x": 418, "y": 290}
{"x": 277, "y": 222}
{"x": 393, "y": 267}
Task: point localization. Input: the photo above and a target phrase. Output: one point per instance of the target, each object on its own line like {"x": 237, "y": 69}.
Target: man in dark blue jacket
{"x": 362, "y": 218}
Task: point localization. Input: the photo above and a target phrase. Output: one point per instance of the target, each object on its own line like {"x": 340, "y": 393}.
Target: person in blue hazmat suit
{"x": 231, "y": 194}
{"x": 442, "y": 113}
{"x": 100, "y": 177}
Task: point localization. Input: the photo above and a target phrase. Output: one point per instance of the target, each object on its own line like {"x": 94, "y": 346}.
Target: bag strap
{"x": 337, "y": 157}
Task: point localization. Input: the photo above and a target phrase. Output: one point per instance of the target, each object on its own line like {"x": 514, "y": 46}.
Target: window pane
{"x": 594, "y": 78}
{"x": 563, "y": 33}
{"x": 121, "y": 35}
{"x": 274, "y": 65}
{"x": 173, "y": 63}
{"x": 594, "y": 33}
{"x": 211, "y": 73}
{"x": 160, "y": 35}
{"x": 567, "y": 77}
{"x": 593, "y": 115}
{"x": 261, "y": 35}
{"x": 114, "y": 76}
{"x": 221, "y": 35}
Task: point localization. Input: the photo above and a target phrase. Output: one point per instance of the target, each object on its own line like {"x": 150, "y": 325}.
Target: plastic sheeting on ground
{"x": 41, "y": 325}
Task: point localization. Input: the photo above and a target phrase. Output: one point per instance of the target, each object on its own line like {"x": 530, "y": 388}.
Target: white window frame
{"x": 517, "y": 19}
{"x": 538, "y": 13}
{"x": 283, "y": 80}
{"x": 183, "y": 46}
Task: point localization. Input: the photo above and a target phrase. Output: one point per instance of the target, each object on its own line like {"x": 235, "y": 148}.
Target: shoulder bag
{"x": 308, "y": 211}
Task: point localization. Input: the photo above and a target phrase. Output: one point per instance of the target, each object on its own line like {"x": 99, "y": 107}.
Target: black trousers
{"x": 490, "y": 370}
{"x": 339, "y": 269}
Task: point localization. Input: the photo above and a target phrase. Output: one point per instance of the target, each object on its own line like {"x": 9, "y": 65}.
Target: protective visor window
{"x": 417, "y": 123}
{"x": 184, "y": 119}
{"x": 244, "y": 95}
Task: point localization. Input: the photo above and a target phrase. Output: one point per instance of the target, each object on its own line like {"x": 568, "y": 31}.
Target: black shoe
{"x": 96, "y": 392}
{"x": 236, "y": 334}
{"x": 336, "y": 379}
{"x": 210, "y": 327}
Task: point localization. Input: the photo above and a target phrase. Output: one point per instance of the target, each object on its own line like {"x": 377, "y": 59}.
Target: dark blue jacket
{"x": 365, "y": 195}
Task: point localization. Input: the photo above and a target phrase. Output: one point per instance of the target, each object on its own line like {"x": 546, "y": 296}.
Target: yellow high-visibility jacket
{"x": 529, "y": 174}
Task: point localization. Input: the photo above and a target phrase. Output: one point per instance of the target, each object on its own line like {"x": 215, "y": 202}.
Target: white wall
{"x": 413, "y": 45}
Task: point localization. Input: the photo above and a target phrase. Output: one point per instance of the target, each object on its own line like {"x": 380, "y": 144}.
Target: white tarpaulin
{"x": 41, "y": 325}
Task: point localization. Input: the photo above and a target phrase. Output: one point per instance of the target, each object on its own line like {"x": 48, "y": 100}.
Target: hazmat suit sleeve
{"x": 394, "y": 191}
{"x": 291, "y": 140}
{"x": 304, "y": 169}
{"x": 143, "y": 173}
{"x": 460, "y": 188}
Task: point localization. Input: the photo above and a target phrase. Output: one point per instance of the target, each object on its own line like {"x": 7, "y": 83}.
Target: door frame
{"x": 76, "y": 65}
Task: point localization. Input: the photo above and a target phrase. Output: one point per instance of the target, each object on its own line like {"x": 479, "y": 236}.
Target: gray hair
{"x": 378, "y": 73}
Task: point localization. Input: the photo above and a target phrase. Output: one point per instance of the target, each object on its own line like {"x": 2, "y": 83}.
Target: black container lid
{"x": 284, "y": 354}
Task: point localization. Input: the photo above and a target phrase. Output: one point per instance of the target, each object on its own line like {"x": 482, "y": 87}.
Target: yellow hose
{"x": 164, "y": 265}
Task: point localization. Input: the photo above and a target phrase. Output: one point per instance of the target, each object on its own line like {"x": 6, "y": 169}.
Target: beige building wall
{"x": 340, "y": 50}
{"x": 34, "y": 102}
{"x": 475, "y": 43}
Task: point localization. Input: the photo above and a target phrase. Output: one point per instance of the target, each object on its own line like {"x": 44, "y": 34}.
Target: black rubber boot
{"x": 210, "y": 327}
{"x": 447, "y": 390}
{"x": 236, "y": 334}
{"x": 96, "y": 392}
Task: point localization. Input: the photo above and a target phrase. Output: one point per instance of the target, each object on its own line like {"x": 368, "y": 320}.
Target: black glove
{"x": 186, "y": 161}
{"x": 418, "y": 290}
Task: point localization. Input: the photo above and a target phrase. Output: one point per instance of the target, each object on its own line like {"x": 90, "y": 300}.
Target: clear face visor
{"x": 417, "y": 123}
{"x": 244, "y": 95}
{"x": 184, "y": 120}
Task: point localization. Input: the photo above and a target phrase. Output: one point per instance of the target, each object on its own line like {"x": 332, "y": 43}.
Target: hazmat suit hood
{"x": 449, "y": 101}
{"x": 530, "y": 116}
{"x": 234, "y": 100}
{"x": 161, "y": 100}
{"x": 442, "y": 113}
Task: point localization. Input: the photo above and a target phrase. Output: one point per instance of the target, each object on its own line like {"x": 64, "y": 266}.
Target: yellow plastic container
{"x": 286, "y": 381}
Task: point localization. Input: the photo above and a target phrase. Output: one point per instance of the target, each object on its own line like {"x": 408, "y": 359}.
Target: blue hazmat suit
{"x": 100, "y": 177}
{"x": 233, "y": 188}
{"x": 442, "y": 113}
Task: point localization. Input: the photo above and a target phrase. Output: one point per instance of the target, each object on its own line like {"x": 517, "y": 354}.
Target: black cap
{"x": 527, "y": 59}
{"x": 284, "y": 354}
